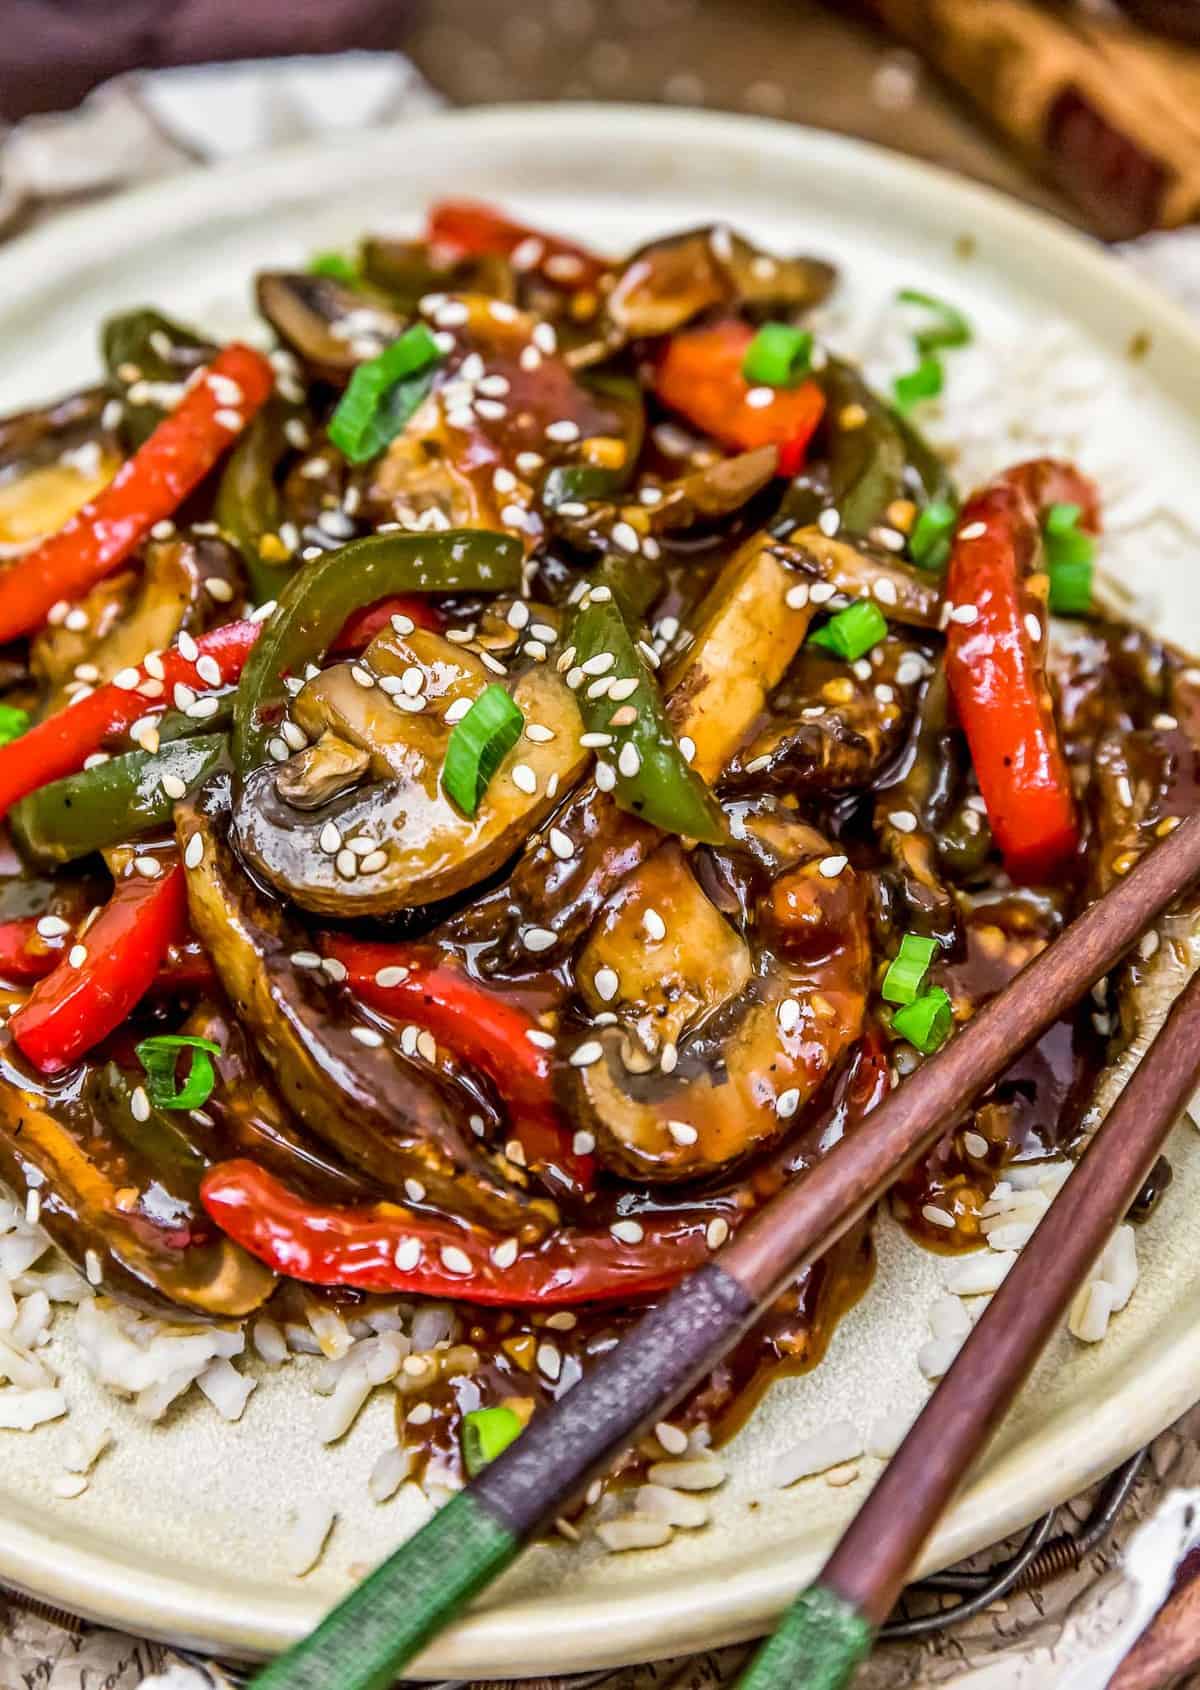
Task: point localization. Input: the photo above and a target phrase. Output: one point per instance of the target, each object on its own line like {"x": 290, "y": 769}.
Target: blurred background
{"x": 1084, "y": 106}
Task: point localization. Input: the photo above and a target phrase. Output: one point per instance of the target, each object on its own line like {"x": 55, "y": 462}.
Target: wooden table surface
{"x": 792, "y": 59}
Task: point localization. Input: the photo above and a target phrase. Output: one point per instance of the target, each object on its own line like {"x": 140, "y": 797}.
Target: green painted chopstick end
{"x": 366, "y": 1641}
{"x": 819, "y": 1644}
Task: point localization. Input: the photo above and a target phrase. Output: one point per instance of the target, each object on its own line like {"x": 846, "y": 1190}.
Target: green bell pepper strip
{"x": 133, "y": 341}
{"x": 111, "y": 803}
{"x": 248, "y": 505}
{"x": 320, "y": 595}
{"x": 651, "y": 776}
{"x": 591, "y": 483}
{"x": 162, "y": 1139}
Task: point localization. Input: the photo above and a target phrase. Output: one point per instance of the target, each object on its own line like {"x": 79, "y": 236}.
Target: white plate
{"x": 180, "y": 1532}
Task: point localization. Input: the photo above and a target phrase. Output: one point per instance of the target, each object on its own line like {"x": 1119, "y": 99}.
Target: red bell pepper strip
{"x": 995, "y": 664}
{"x": 61, "y": 744}
{"x": 73, "y": 1008}
{"x": 362, "y": 627}
{"x": 467, "y": 229}
{"x": 27, "y": 955}
{"x": 700, "y": 377}
{"x": 386, "y": 1247}
{"x": 483, "y": 1030}
{"x": 148, "y": 487}
{"x": 324, "y": 1245}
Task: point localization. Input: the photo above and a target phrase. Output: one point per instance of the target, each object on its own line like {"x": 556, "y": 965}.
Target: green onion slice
{"x": 335, "y": 264}
{"x": 778, "y": 356}
{"x": 947, "y": 326}
{"x": 1071, "y": 588}
{"x": 159, "y": 1055}
{"x": 478, "y": 746}
{"x": 925, "y": 382}
{"x": 13, "y": 722}
{"x": 383, "y": 393}
{"x": 1065, "y": 541}
{"x": 926, "y": 1022}
{"x": 906, "y": 973}
{"x": 852, "y": 633}
{"x": 933, "y": 531}
{"x": 487, "y": 1433}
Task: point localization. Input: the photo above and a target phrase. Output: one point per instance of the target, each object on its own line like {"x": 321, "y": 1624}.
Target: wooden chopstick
{"x": 829, "y": 1628}
{"x": 371, "y": 1635}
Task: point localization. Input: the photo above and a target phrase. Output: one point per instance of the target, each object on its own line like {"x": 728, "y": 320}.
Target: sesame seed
{"x": 524, "y": 779}
{"x": 139, "y": 1104}
{"x": 538, "y": 733}
{"x": 788, "y": 1015}
{"x": 829, "y": 522}
{"x": 1164, "y": 722}
{"x": 682, "y": 1132}
{"x": 537, "y": 1036}
{"x": 669, "y": 1058}
{"x": 585, "y": 1054}
{"x": 92, "y": 1267}
{"x": 545, "y": 338}
{"x": 600, "y": 688}
{"x": 209, "y": 670}
{"x": 278, "y": 749}
{"x": 625, "y": 535}
{"x": 600, "y": 664}
{"x": 537, "y": 939}
{"x": 797, "y": 597}
{"x": 831, "y": 867}
{"x": 583, "y": 1143}
{"x": 347, "y": 864}
{"x": 759, "y": 398}
{"x": 193, "y": 851}
{"x": 218, "y": 588}
{"x": 628, "y": 1232}
{"x": 607, "y": 983}
{"x": 262, "y": 612}
{"x": 294, "y": 735}
{"x": 330, "y": 839}
{"x": 884, "y": 693}
{"x": 605, "y": 777}
{"x": 932, "y": 1213}
{"x": 975, "y": 1144}
{"x": 126, "y": 679}
{"x": 624, "y": 688}
{"x": 821, "y": 592}
{"x": 885, "y": 590}
{"x": 562, "y": 846}
{"x": 903, "y": 821}
{"x": 965, "y": 614}
{"x": 564, "y": 431}
{"x": 456, "y": 711}
{"x": 1147, "y": 945}
{"x": 492, "y": 663}
{"x": 629, "y": 761}
{"x": 654, "y": 924}
{"x": 491, "y": 410}
{"x": 76, "y": 621}
{"x": 973, "y": 531}
{"x": 716, "y": 1232}
{"x": 549, "y": 1360}
{"x": 77, "y": 956}
{"x": 625, "y": 717}
{"x": 367, "y": 1036}
{"x": 149, "y": 867}
{"x": 53, "y": 927}
{"x": 455, "y": 1260}
{"x": 504, "y": 1255}
{"x": 373, "y": 862}
{"x": 305, "y": 959}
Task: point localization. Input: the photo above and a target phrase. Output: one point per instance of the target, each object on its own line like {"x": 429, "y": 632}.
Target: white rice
{"x": 676, "y": 1507}
{"x": 305, "y": 1540}
{"x": 838, "y": 1442}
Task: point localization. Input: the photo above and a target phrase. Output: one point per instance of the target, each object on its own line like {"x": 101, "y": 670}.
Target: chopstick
{"x": 829, "y": 1628}
{"x": 365, "y": 1641}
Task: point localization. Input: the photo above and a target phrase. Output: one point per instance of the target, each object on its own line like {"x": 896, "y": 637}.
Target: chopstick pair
{"x": 365, "y": 1641}
{"x": 830, "y": 1627}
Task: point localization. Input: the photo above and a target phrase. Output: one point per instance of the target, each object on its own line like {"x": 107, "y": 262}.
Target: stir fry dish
{"x": 501, "y": 781}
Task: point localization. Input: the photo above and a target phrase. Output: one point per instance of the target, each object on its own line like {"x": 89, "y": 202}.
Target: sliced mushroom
{"x": 795, "y": 990}
{"x": 52, "y": 461}
{"x": 441, "y": 470}
{"x": 108, "y": 1211}
{"x": 333, "y": 328}
{"x": 390, "y": 1116}
{"x": 401, "y": 840}
{"x": 906, "y": 595}
{"x": 833, "y": 727}
{"x": 664, "y": 285}
{"x": 708, "y": 494}
{"x": 125, "y": 617}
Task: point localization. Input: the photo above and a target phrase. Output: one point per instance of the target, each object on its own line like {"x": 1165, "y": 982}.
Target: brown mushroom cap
{"x": 428, "y": 848}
